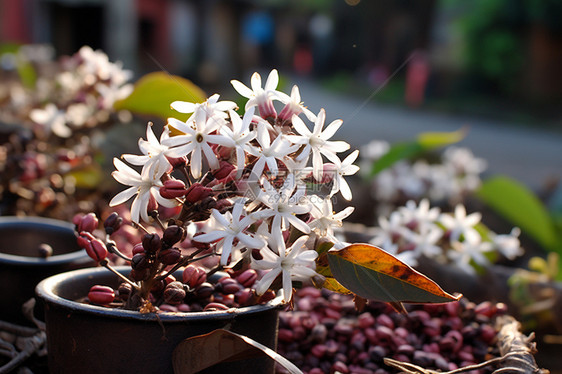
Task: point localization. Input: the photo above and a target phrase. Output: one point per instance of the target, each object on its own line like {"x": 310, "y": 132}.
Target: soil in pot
{"x": 22, "y": 265}
{"x": 85, "y": 338}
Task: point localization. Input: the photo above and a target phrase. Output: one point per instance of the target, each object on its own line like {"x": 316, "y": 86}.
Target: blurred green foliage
{"x": 495, "y": 35}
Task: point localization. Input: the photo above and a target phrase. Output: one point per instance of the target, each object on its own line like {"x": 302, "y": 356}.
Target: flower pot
{"x": 21, "y": 267}
{"x": 85, "y": 338}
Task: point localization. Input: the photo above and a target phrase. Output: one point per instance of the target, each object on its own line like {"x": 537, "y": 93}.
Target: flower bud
{"x": 194, "y": 276}
{"x": 173, "y": 188}
{"x": 112, "y": 223}
{"x": 88, "y": 223}
{"x": 101, "y": 295}
{"x": 173, "y": 234}
{"x": 229, "y": 286}
{"x": 169, "y": 256}
{"x": 197, "y": 192}
{"x": 151, "y": 243}
{"x": 139, "y": 262}
{"x": 177, "y": 162}
{"x": 224, "y": 171}
{"x": 174, "y": 293}
{"x": 138, "y": 248}
{"x": 94, "y": 247}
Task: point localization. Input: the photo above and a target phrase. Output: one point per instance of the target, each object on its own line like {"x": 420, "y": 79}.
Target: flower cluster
{"x": 47, "y": 153}
{"x": 414, "y": 230}
{"x": 448, "y": 181}
{"x": 253, "y": 190}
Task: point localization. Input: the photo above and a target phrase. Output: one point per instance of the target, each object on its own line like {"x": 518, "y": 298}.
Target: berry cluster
{"x": 325, "y": 334}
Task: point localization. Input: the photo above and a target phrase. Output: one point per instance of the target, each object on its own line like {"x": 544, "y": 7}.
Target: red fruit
{"x": 88, "y": 223}
{"x": 101, "y": 295}
{"x": 194, "y": 276}
{"x": 94, "y": 247}
{"x": 197, "y": 192}
{"x": 173, "y": 188}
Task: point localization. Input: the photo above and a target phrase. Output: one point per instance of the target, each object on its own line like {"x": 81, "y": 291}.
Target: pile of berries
{"x": 326, "y": 334}
{"x": 194, "y": 293}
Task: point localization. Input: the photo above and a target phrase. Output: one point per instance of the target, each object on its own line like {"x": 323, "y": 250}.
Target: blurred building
{"x": 211, "y": 41}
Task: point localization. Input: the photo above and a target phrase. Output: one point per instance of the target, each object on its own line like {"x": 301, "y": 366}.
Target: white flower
{"x": 342, "y": 169}
{"x": 144, "y": 186}
{"x": 283, "y": 206}
{"x": 424, "y": 240}
{"x": 294, "y": 106}
{"x": 154, "y": 153}
{"x": 196, "y": 140}
{"x": 461, "y": 224}
{"x": 258, "y": 96}
{"x": 241, "y": 136}
{"x": 317, "y": 142}
{"x": 268, "y": 152}
{"x": 509, "y": 244}
{"x": 212, "y": 106}
{"x": 463, "y": 253}
{"x": 420, "y": 215}
{"x": 389, "y": 229}
{"x": 231, "y": 227}
{"x": 293, "y": 263}
{"x": 52, "y": 119}
{"x": 325, "y": 219}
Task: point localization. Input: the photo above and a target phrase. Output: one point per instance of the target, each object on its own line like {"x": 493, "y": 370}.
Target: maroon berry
{"x": 101, "y": 295}
{"x": 169, "y": 256}
{"x": 194, "y": 276}
{"x": 247, "y": 278}
{"x": 215, "y": 306}
{"x": 112, "y": 223}
{"x": 94, "y": 247}
{"x": 174, "y": 293}
{"x": 173, "y": 234}
{"x": 173, "y": 188}
{"x": 151, "y": 243}
{"x": 88, "y": 223}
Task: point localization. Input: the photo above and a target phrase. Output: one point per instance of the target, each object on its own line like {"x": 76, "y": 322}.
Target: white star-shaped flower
{"x": 212, "y": 106}
{"x": 230, "y": 227}
{"x": 268, "y": 153}
{"x": 153, "y": 153}
{"x": 144, "y": 186}
{"x": 198, "y": 135}
{"x": 317, "y": 142}
{"x": 52, "y": 119}
{"x": 258, "y": 96}
{"x": 241, "y": 136}
{"x": 293, "y": 263}
{"x": 294, "y": 106}
{"x": 283, "y": 206}
{"x": 325, "y": 219}
{"x": 461, "y": 224}
{"x": 341, "y": 170}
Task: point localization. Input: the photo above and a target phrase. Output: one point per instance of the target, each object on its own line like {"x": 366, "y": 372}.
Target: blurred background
{"x": 390, "y": 69}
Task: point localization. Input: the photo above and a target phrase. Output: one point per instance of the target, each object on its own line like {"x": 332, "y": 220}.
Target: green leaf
{"x": 154, "y": 93}
{"x": 407, "y": 150}
{"x": 374, "y": 274}
{"x": 520, "y": 206}
{"x": 200, "y": 352}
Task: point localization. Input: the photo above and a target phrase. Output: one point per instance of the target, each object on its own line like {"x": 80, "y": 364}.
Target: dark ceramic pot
{"x": 86, "y": 338}
{"x": 21, "y": 268}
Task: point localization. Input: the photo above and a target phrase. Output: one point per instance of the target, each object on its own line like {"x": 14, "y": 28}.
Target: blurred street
{"x": 530, "y": 155}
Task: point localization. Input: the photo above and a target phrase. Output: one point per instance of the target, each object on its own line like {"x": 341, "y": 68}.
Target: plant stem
{"x": 106, "y": 265}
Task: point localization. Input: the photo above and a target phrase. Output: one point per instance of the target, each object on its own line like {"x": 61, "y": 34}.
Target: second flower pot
{"x": 21, "y": 266}
{"x": 85, "y": 338}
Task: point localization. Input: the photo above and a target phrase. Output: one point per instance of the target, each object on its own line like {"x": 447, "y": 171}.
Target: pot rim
{"x": 39, "y": 261}
{"x": 46, "y": 291}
